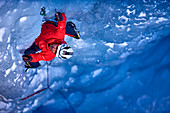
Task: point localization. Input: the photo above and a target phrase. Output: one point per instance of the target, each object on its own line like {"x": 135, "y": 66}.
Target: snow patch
{"x": 15, "y": 10}
{"x": 106, "y": 26}
{"x": 10, "y": 69}
{"x": 2, "y": 105}
{"x": 74, "y": 69}
{"x": 23, "y": 19}
{"x": 111, "y": 51}
{"x": 9, "y": 38}
{"x": 97, "y": 72}
{"x": 128, "y": 29}
{"x": 52, "y": 101}
{"x": 13, "y": 66}
{"x": 70, "y": 81}
{"x": 129, "y": 12}
{"x": 124, "y": 55}
{"x": 140, "y": 19}
{"x": 147, "y": 38}
{"x": 2, "y": 32}
{"x": 7, "y": 72}
{"x": 122, "y": 44}
{"x": 140, "y": 23}
{"x": 110, "y": 45}
{"x": 123, "y": 19}
{"x": 39, "y": 87}
{"x": 25, "y": 110}
{"x": 12, "y": 52}
{"x": 35, "y": 103}
{"x": 17, "y": 77}
{"x": 94, "y": 44}
{"x": 120, "y": 27}
{"x": 142, "y": 14}
{"x": 5, "y": 57}
{"x": 8, "y": 12}
{"x": 161, "y": 19}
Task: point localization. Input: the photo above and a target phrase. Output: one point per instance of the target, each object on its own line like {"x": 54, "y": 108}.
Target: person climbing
{"x": 50, "y": 43}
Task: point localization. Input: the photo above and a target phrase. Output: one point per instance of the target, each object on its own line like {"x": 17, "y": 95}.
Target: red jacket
{"x": 50, "y": 33}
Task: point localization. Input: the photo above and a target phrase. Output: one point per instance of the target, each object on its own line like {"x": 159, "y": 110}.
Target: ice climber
{"x": 50, "y": 43}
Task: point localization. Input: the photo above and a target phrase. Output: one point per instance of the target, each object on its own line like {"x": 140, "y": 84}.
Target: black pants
{"x": 31, "y": 50}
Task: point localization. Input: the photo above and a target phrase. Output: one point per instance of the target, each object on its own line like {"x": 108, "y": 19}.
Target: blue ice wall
{"x": 120, "y": 65}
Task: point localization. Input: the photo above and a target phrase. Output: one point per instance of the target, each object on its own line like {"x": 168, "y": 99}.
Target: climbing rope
{"x": 48, "y": 87}
{"x": 67, "y": 101}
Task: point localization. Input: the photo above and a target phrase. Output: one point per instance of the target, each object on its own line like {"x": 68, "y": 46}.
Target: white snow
{"x": 8, "y": 12}
{"x": 123, "y": 19}
{"x": 120, "y": 27}
{"x": 9, "y": 38}
{"x": 97, "y": 72}
{"x": 140, "y": 19}
{"x": 142, "y": 14}
{"x": 2, "y": 105}
{"x": 147, "y": 38}
{"x": 7, "y": 72}
{"x": 13, "y": 66}
{"x": 161, "y": 19}
{"x": 74, "y": 69}
{"x": 5, "y": 57}
{"x": 110, "y": 45}
{"x": 128, "y": 29}
{"x": 17, "y": 76}
{"x": 2, "y": 32}
{"x": 25, "y": 110}
{"x": 12, "y": 53}
{"x": 70, "y": 81}
{"x": 39, "y": 87}
{"x": 140, "y": 23}
{"x": 94, "y": 44}
{"x": 110, "y": 50}
{"x": 124, "y": 55}
{"x": 106, "y": 26}
{"x": 8, "y": 105}
{"x": 129, "y": 12}
{"x": 35, "y": 103}
{"x": 49, "y": 102}
{"x": 23, "y": 19}
{"x": 122, "y": 44}
{"x": 10, "y": 69}
{"x": 14, "y": 10}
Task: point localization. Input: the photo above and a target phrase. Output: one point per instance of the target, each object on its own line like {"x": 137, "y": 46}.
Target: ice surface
{"x": 120, "y": 65}
{"x": 2, "y": 31}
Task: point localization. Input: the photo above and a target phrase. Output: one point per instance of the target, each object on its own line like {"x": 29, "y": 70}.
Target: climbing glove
{"x": 26, "y": 58}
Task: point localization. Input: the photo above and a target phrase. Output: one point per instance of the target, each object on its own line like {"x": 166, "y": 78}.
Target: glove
{"x": 58, "y": 16}
{"x": 26, "y": 58}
